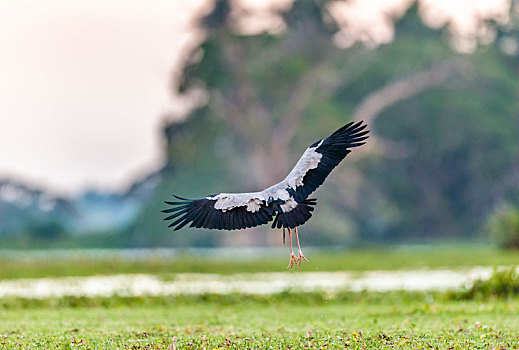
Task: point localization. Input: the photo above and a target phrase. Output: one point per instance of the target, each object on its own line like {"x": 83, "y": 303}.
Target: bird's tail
{"x": 297, "y": 216}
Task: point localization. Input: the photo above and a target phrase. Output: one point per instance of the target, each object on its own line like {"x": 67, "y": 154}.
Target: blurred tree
{"x": 22, "y": 206}
{"x": 503, "y": 227}
{"x": 450, "y": 151}
{"x": 197, "y": 155}
{"x": 44, "y": 230}
{"x": 444, "y": 124}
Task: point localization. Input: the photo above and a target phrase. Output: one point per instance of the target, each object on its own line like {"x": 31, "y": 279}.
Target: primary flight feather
{"x": 286, "y": 203}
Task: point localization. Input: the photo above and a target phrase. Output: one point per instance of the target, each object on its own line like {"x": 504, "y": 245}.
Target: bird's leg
{"x": 300, "y": 255}
{"x": 283, "y": 235}
{"x": 292, "y": 255}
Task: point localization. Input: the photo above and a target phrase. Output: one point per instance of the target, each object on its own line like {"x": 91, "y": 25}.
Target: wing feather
{"x": 333, "y": 150}
{"x": 202, "y": 213}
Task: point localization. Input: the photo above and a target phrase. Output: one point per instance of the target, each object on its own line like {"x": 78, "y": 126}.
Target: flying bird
{"x": 286, "y": 203}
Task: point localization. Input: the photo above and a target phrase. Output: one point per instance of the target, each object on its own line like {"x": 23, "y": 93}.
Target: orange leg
{"x": 301, "y": 256}
{"x": 292, "y": 255}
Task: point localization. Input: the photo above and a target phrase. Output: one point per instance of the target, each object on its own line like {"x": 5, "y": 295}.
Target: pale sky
{"x": 84, "y": 83}
{"x": 84, "y": 88}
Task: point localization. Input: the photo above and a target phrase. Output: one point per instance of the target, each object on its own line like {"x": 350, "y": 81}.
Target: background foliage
{"x": 443, "y": 151}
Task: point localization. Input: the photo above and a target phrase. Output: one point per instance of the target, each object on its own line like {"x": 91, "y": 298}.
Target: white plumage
{"x": 252, "y": 201}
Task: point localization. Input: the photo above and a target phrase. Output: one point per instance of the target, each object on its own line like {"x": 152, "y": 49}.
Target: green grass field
{"x": 392, "y": 258}
{"x": 394, "y": 320}
{"x": 398, "y": 321}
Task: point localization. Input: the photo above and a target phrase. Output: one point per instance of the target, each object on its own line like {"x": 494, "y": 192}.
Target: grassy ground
{"x": 449, "y": 256}
{"x": 288, "y": 321}
{"x": 393, "y": 320}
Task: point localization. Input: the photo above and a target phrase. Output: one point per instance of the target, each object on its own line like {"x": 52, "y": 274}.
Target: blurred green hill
{"x": 443, "y": 151}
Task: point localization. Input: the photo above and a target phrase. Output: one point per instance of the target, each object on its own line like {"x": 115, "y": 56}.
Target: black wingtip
{"x": 182, "y": 198}
{"x": 355, "y": 133}
{"x": 175, "y": 203}
{"x": 357, "y": 127}
{"x": 350, "y": 128}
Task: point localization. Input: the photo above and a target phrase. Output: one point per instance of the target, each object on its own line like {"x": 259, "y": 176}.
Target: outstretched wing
{"x": 287, "y": 200}
{"x": 327, "y": 153}
{"x": 202, "y": 213}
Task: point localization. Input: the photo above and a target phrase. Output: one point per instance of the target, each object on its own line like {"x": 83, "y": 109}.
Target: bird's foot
{"x": 293, "y": 259}
{"x": 300, "y": 258}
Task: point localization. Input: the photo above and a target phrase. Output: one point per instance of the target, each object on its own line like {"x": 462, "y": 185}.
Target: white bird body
{"x": 253, "y": 200}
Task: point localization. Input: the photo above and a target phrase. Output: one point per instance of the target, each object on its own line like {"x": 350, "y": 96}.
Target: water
{"x": 251, "y": 283}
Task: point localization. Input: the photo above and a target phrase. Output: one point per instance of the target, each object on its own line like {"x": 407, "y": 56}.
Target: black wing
{"x": 334, "y": 149}
{"x": 201, "y": 213}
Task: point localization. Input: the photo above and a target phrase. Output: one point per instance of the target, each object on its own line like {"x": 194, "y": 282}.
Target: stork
{"x": 286, "y": 203}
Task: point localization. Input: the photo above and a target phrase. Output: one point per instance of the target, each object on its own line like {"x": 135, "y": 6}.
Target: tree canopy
{"x": 445, "y": 125}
